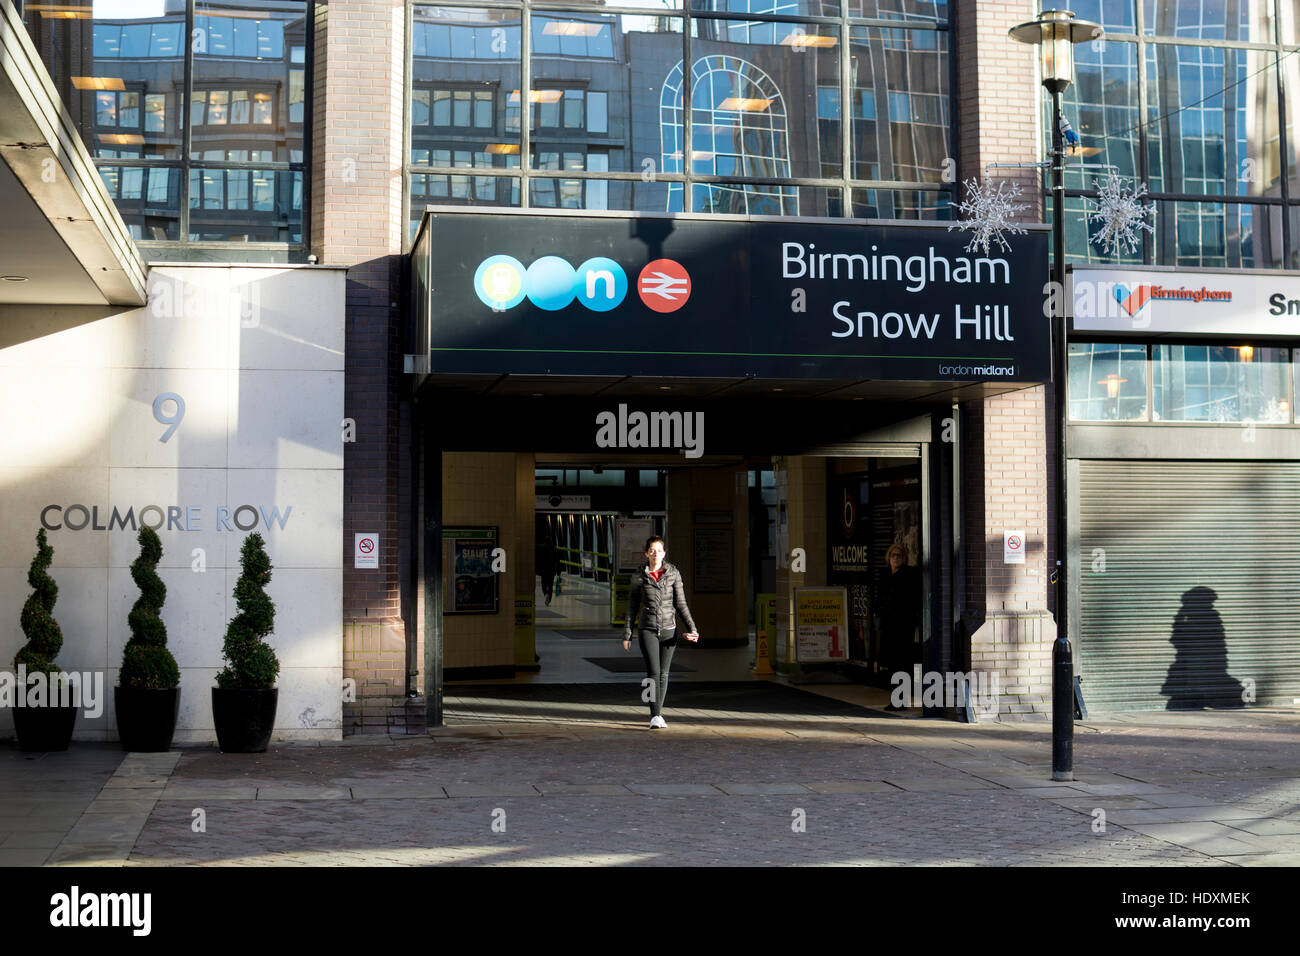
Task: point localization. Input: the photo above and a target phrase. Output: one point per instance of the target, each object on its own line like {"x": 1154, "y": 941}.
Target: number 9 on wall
{"x": 172, "y": 421}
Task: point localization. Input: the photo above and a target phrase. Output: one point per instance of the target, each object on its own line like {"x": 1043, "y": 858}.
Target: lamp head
{"x": 1054, "y": 33}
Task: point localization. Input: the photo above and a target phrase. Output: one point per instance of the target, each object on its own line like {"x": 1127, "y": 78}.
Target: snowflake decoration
{"x": 1120, "y": 213}
{"x": 990, "y": 212}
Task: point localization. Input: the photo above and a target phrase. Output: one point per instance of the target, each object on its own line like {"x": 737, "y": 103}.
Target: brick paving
{"x": 813, "y": 784}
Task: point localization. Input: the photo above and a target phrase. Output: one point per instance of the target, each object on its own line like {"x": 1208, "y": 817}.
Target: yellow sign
{"x": 821, "y": 624}
{"x": 764, "y": 633}
{"x": 619, "y": 588}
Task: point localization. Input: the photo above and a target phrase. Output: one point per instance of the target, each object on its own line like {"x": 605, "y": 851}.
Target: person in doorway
{"x": 548, "y": 563}
{"x": 654, "y": 600}
{"x": 899, "y": 600}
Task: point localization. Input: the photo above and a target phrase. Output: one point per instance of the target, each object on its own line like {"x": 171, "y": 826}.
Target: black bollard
{"x": 1062, "y": 710}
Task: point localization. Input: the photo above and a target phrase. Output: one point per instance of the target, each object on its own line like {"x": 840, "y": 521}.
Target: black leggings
{"x": 657, "y": 653}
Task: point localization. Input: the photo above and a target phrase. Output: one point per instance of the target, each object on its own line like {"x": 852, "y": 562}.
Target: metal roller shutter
{"x": 1200, "y": 591}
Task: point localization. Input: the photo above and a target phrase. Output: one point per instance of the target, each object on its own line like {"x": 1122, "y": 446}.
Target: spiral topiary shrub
{"x": 146, "y": 662}
{"x": 43, "y": 635}
{"x": 250, "y": 662}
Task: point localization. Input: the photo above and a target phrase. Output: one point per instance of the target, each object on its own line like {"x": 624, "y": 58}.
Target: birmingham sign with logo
{"x": 1147, "y": 302}
{"x": 692, "y": 296}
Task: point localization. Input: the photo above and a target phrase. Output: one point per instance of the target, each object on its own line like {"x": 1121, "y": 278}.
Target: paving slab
{"x": 213, "y": 792}
{"x": 941, "y": 784}
{"x": 1269, "y": 859}
{"x": 1214, "y": 839}
{"x": 1019, "y": 781}
{"x": 1118, "y": 789}
{"x": 304, "y": 793}
{"x": 755, "y": 789}
{"x": 1266, "y": 826}
{"x": 33, "y": 840}
{"x": 23, "y": 857}
{"x": 674, "y": 789}
{"x": 84, "y": 854}
{"x": 1172, "y": 800}
{"x": 583, "y": 790}
{"x": 1086, "y": 804}
{"x": 853, "y": 786}
{"x": 382, "y": 791}
{"x": 490, "y": 790}
{"x": 113, "y": 804}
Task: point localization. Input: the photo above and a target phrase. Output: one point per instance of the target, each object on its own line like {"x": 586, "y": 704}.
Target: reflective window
{"x": 1210, "y": 127}
{"x": 1217, "y": 235}
{"x": 240, "y": 64}
{"x": 472, "y": 108}
{"x": 1212, "y": 121}
{"x": 899, "y": 104}
{"x": 121, "y": 70}
{"x": 1108, "y": 382}
{"x": 1102, "y": 108}
{"x": 1220, "y": 383}
{"x": 608, "y": 93}
{"x": 900, "y": 204}
{"x": 1210, "y": 19}
{"x": 1115, "y": 16}
{"x": 928, "y": 10}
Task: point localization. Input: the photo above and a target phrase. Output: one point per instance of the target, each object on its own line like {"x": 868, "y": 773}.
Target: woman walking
{"x": 654, "y": 600}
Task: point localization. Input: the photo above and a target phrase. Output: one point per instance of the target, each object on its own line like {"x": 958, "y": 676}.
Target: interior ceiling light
{"x": 52, "y": 11}
{"x": 122, "y": 139}
{"x": 806, "y": 39}
{"x": 571, "y": 28}
{"x": 742, "y": 104}
{"x": 98, "y": 83}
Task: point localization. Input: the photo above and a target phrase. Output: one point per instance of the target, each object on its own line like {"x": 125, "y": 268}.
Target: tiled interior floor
{"x": 575, "y": 626}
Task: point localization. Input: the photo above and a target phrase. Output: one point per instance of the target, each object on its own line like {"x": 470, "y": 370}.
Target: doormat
{"x": 632, "y": 664}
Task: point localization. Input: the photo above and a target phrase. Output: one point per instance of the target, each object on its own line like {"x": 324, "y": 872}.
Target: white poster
{"x": 1013, "y": 547}
{"x": 629, "y": 541}
{"x": 365, "y": 553}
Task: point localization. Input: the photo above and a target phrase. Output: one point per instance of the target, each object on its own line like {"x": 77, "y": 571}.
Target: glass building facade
{"x": 1195, "y": 98}
{"x": 200, "y": 141}
{"x": 615, "y": 120}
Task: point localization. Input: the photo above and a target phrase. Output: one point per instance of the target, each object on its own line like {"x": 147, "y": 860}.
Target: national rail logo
{"x": 600, "y": 284}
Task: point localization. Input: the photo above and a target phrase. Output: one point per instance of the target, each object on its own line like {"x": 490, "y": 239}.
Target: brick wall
{"x": 358, "y": 116}
{"x": 1006, "y": 439}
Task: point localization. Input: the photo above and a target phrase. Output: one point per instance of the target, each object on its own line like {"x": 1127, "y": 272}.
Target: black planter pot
{"x": 146, "y": 717}
{"x": 244, "y": 718}
{"x": 44, "y": 729}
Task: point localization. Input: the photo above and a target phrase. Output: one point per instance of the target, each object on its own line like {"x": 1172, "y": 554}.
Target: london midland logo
{"x": 600, "y": 284}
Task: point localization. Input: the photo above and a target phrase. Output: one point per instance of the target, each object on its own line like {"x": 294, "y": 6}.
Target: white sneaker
{"x": 657, "y": 722}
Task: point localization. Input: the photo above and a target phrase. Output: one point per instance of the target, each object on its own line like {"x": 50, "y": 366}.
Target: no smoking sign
{"x": 366, "y": 551}
{"x": 1013, "y": 547}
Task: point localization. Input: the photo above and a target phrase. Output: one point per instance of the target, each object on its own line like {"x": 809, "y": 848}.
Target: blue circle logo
{"x": 550, "y": 283}
{"x": 500, "y": 282}
{"x": 600, "y": 284}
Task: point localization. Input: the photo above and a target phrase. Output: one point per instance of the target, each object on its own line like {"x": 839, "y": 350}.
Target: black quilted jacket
{"x": 651, "y": 603}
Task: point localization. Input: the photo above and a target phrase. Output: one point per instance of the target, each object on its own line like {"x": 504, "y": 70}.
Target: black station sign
{"x": 647, "y": 296}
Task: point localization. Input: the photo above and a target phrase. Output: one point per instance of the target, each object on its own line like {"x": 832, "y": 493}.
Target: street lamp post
{"x": 1054, "y": 33}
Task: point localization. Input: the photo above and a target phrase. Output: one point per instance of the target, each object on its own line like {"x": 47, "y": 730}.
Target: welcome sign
{"x": 668, "y": 296}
